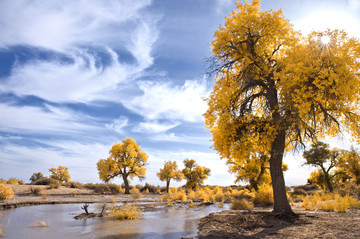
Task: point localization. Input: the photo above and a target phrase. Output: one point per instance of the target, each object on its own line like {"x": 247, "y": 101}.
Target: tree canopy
{"x": 126, "y": 159}
{"x": 276, "y": 89}
{"x": 194, "y": 174}
{"x": 61, "y": 173}
{"x": 168, "y": 172}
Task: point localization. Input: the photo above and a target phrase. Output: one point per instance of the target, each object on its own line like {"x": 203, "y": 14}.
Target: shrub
{"x": 125, "y": 212}
{"x": 3, "y": 181}
{"x": 54, "y": 184}
{"x": 135, "y": 193}
{"x": 299, "y": 191}
{"x": 37, "y": 223}
{"x": 104, "y": 188}
{"x": 241, "y": 204}
{"x": 6, "y": 192}
{"x": 44, "y": 181}
{"x": 13, "y": 181}
{"x": 264, "y": 195}
{"x": 150, "y": 188}
{"x": 35, "y": 190}
{"x": 74, "y": 185}
{"x": 330, "y": 202}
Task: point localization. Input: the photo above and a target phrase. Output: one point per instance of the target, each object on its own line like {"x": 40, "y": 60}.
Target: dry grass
{"x": 126, "y": 212}
{"x": 38, "y": 223}
{"x": 35, "y": 190}
{"x": 264, "y": 195}
{"x": 241, "y": 204}
{"x": 329, "y": 202}
{"x": 6, "y": 192}
{"x": 135, "y": 193}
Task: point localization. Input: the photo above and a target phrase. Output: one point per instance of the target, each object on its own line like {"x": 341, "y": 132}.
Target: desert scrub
{"x": 15, "y": 181}
{"x": 35, "y": 190}
{"x": 264, "y": 195}
{"x": 126, "y": 212}
{"x": 135, "y": 193}
{"x": 3, "y": 181}
{"x": 241, "y": 204}
{"x": 6, "y": 192}
{"x": 177, "y": 195}
{"x": 330, "y": 202}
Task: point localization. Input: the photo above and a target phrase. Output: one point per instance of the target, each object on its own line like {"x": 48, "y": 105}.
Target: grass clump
{"x": 38, "y": 223}
{"x": 264, "y": 195}
{"x": 6, "y": 192}
{"x": 241, "y": 204}
{"x": 126, "y": 212}
{"x": 35, "y": 190}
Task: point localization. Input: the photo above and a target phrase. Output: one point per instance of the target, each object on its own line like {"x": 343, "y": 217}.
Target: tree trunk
{"x": 167, "y": 185}
{"x": 281, "y": 203}
{"x": 328, "y": 183}
{"x": 126, "y": 182}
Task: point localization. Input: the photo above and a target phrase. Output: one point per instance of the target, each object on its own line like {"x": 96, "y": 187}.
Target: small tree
{"x": 320, "y": 156}
{"x": 36, "y": 176}
{"x": 349, "y": 165}
{"x": 255, "y": 170}
{"x": 170, "y": 171}
{"x": 61, "y": 173}
{"x": 126, "y": 160}
{"x": 194, "y": 174}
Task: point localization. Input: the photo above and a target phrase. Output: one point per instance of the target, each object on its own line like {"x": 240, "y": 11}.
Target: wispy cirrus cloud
{"x": 154, "y": 127}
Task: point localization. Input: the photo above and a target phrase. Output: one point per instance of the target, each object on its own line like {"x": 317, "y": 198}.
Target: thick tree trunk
{"x": 126, "y": 182}
{"x": 281, "y": 203}
{"x": 167, "y": 185}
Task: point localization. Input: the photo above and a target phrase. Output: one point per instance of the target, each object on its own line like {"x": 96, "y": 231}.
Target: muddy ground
{"x": 257, "y": 223}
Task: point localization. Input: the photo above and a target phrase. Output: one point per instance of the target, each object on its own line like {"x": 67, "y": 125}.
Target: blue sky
{"x": 78, "y": 76}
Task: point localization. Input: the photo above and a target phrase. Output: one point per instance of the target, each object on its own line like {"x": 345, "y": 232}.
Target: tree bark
{"x": 281, "y": 203}
{"x": 126, "y": 182}
{"x": 167, "y": 185}
{"x": 328, "y": 183}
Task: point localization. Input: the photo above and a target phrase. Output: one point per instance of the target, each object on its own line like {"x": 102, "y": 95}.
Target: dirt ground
{"x": 261, "y": 223}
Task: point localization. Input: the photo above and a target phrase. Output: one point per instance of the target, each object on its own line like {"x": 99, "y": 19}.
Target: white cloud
{"x": 162, "y": 100}
{"x": 154, "y": 127}
{"x": 62, "y": 24}
{"x": 118, "y": 124}
{"x": 53, "y": 120}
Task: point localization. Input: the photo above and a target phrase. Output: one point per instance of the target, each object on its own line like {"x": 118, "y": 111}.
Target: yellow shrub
{"x": 264, "y": 195}
{"x": 125, "y": 212}
{"x": 6, "y": 192}
{"x": 121, "y": 190}
{"x": 191, "y": 195}
{"x": 191, "y": 204}
{"x": 241, "y": 204}
{"x": 220, "y": 204}
{"x": 41, "y": 223}
{"x": 13, "y": 181}
{"x": 330, "y": 202}
{"x": 172, "y": 190}
{"x": 3, "y": 181}
{"x": 135, "y": 193}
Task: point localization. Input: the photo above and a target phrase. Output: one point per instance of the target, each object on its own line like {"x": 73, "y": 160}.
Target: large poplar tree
{"x": 276, "y": 90}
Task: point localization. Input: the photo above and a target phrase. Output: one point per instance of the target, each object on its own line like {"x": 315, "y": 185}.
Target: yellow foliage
{"x": 329, "y": 202}
{"x": 38, "y": 223}
{"x": 264, "y": 195}
{"x": 194, "y": 174}
{"x": 61, "y": 173}
{"x": 169, "y": 172}
{"x": 6, "y": 192}
{"x": 241, "y": 204}
{"x": 135, "y": 193}
{"x": 126, "y": 158}
{"x": 125, "y": 212}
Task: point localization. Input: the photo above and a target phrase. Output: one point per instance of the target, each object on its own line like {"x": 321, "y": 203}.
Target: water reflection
{"x": 173, "y": 222}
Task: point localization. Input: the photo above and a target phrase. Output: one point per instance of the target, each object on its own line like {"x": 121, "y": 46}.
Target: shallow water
{"x": 173, "y": 222}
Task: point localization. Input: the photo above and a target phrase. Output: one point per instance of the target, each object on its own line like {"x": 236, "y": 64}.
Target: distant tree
{"x": 349, "y": 165}
{"x": 255, "y": 170}
{"x": 61, "y": 173}
{"x": 125, "y": 160}
{"x": 36, "y": 176}
{"x": 319, "y": 155}
{"x": 170, "y": 171}
{"x": 194, "y": 174}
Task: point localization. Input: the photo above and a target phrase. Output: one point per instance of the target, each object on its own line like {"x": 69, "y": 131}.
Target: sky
{"x": 78, "y": 76}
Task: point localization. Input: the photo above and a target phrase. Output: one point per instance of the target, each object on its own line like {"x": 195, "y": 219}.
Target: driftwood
{"x": 88, "y": 214}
